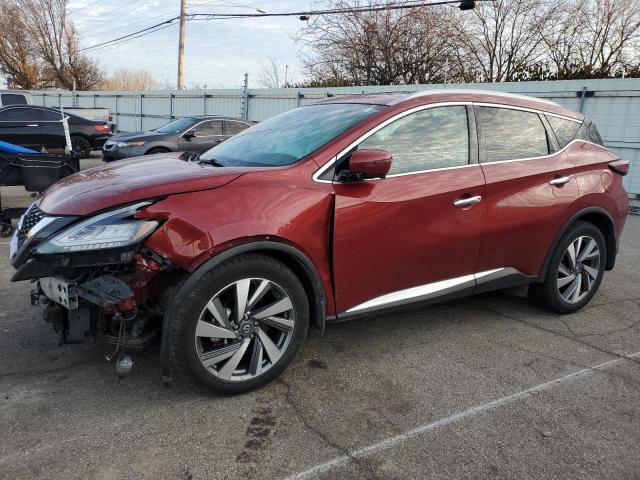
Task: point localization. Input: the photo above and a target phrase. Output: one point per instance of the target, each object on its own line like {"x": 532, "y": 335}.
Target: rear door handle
{"x": 465, "y": 202}
{"x": 559, "y": 181}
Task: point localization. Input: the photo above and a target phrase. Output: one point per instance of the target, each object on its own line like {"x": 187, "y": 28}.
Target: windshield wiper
{"x": 209, "y": 161}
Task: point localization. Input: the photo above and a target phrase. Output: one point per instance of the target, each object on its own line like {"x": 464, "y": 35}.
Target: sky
{"x": 217, "y": 53}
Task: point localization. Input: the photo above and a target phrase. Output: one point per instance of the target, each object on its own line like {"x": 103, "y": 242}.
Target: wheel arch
{"x": 598, "y": 217}
{"x": 159, "y": 147}
{"x": 287, "y": 254}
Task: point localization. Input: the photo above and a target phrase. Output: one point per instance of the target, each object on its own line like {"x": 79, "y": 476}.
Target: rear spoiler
{"x": 621, "y": 167}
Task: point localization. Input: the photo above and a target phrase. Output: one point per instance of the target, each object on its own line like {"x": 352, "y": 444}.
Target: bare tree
{"x": 379, "y": 47}
{"x": 17, "y": 53}
{"x": 270, "y": 74}
{"x": 133, "y": 81}
{"x": 502, "y": 41}
{"x": 46, "y": 40}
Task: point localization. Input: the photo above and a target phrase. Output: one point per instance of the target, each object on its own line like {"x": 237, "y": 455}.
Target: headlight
{"x": 113, "y": 229}
{"x": 129, "y": 144}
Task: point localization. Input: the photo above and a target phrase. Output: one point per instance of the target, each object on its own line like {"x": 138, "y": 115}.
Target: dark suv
{"x": 348, "y": 207}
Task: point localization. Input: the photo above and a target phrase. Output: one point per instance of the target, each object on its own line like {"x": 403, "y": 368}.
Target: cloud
{"x": 217, "y": 52}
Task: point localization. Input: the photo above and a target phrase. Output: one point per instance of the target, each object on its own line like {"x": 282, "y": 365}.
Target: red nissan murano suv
{"x": 347, "y": 207}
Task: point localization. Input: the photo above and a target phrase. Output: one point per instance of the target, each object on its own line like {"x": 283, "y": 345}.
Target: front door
{"x": 416, "y": 233}
{"x": 202, "y": 137}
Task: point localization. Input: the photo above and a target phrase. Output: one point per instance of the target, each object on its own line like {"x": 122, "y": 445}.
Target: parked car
{"x": 352, "y": 206}
{"x": 21, "y": 97}
{"x": 188, "y": 134}
{"x": 36, "y": 127}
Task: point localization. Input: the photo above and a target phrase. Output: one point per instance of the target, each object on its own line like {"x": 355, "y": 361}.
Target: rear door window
{"x": 208, "y": 129}
{"x": 13, "y": 99}
{"x": 512, "y": 134}
{"x": 425, "y": 140}
{"x": 565, "y": 130}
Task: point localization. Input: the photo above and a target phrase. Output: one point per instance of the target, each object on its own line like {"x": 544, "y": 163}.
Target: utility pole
{"x": 183, "y": 19}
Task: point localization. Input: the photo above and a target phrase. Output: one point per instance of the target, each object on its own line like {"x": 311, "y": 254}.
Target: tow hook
{"x": 124, "y": 362}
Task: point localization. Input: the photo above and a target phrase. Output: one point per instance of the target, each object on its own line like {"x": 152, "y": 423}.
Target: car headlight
{"x": 113, "y": 229}
{"x": 129, "y": 144}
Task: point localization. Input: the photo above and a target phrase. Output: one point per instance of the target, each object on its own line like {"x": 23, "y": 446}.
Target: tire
{"x": 81, "y": 145}
{"x": 570, "y": 285}
{"x": 252, "y": 349}
{"x": 155, "y": 150}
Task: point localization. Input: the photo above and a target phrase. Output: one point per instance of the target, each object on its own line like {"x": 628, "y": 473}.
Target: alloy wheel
{"x": 578, "y": 269}
{"x": 245, "y": 329}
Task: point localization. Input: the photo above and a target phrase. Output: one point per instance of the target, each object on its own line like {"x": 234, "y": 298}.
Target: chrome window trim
{"x": 330, "y": 163}
{"x": 429, "y": 290}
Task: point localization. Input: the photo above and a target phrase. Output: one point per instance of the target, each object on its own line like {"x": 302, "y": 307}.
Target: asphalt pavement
{"x": 486, "y": 387}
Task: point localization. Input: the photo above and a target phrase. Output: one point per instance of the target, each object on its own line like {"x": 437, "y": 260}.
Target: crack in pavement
{"x": 325, "y": 438}
{"x": 560, "y": 334}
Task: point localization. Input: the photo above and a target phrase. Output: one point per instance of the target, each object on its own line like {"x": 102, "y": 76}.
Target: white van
{"x": 15, "y": 97}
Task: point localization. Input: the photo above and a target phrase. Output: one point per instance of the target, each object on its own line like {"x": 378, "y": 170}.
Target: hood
{"x": 128, "y": 181}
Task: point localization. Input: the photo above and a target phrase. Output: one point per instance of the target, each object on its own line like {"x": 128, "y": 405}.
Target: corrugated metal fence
{"x": 614, "y": 104}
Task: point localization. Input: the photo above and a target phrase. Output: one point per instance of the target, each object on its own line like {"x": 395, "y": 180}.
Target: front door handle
{"x": 559, "y": 181}
{"x": 466, "y": 202}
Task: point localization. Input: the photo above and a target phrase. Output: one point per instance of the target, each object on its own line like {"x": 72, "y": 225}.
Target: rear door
{"x": 18, "y": 127}
{"x": 402, "y": 238}
{"x": 206, "y": 134}
{"x": 529, "y": 190}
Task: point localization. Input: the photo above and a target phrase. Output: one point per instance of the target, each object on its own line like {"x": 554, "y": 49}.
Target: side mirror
{"x": 365, "y": 164}
{"x": 189, "y": 135}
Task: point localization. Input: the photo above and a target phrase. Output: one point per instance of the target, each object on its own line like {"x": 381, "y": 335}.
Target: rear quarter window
{"x": 589, "y": 132}
{"x": 565, "y": 130}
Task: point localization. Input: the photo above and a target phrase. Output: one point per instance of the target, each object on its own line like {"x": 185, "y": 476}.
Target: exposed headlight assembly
{"x": 114, "y": 229}
{"x": 129, "y": 144}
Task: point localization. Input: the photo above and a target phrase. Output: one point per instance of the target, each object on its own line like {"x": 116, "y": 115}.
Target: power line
{"x": 136, "y": 34}
{"x": 301, "y": 14}
{"x": 335, "y": 11}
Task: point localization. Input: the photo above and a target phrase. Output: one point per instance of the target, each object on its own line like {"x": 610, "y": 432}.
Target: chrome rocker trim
{"x": 440, "y": 289}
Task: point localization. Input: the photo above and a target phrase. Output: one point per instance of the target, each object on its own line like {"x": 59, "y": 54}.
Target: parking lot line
{"x": 470, "y": 412}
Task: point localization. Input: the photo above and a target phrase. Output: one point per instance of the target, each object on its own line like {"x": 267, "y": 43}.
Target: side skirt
{"x": 501, "y": 278}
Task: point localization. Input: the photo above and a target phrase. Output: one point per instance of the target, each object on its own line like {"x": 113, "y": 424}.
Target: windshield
{"x": 289, "y": 137}
{"x": 176, "y": 126}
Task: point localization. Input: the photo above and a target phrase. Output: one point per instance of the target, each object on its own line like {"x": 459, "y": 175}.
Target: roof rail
{"x": 423, "y": 93}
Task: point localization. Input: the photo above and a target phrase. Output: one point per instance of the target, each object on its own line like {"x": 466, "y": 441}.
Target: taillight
{"x": 621, "y": 167}
{"x": 102, "y": 128}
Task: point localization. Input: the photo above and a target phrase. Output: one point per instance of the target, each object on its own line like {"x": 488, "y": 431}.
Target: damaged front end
{"x": 93, "y": 277}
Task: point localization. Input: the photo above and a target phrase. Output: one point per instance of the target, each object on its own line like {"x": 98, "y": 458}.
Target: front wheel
{"x": 240, "y": 326}
{"x": 575, "y": 271}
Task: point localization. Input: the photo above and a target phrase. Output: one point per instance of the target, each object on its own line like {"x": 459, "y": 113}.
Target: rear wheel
{"x": 240, "y": 326}
{"x": 81, "y": 146}
{"x": 575, "y": 271}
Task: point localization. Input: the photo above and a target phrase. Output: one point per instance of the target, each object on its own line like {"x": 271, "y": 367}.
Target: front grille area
{"x": 29, "y": 220}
